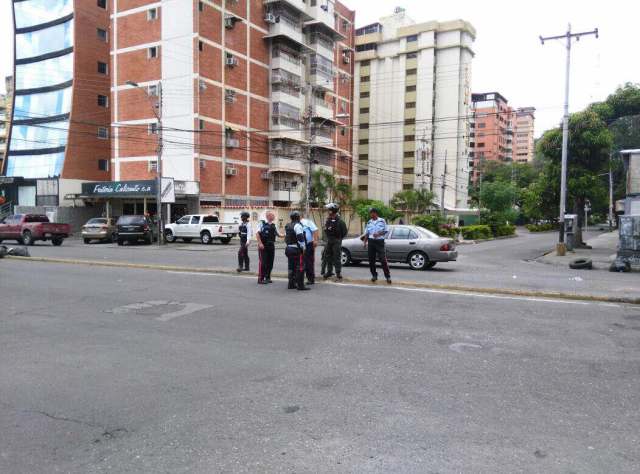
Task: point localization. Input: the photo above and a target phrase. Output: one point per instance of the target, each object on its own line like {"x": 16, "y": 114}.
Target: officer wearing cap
{"x": 245, "y": 240}
{"x": 335, "y": 230}
{"x": 375, "y": 233}
{"x": 266, "y": 237}
{"x": 295, "y": 246}
{"x": 311, "y": 234}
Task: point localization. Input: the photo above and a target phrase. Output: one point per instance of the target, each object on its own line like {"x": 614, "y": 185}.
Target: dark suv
{"x": 134, "y": 228}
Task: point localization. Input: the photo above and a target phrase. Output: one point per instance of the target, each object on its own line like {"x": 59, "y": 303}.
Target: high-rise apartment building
{"x": 60, "y": 117}
{"x": 523, "y": 131}
{"x": 248, "y": 92}
{"x": 412, "y": 101}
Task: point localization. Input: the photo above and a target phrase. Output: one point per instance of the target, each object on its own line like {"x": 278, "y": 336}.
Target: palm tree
{"x": 413, "y": 201}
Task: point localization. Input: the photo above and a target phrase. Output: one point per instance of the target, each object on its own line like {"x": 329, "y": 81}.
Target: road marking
{"x": 425, "y": 290}
{"x": 187, "y": 308}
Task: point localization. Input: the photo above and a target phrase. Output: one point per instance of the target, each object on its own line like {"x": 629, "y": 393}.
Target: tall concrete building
{"x": 412, "y": 83}
{"x": 523, "y": 131}
{"x": 248, "y": 92}
{"x": 60, "y": 119}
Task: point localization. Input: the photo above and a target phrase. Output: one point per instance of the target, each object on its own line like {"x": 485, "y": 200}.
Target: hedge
{"x": 475, "y": 232}
{"x": 541, "y": 227}
{"x": 505, "y": 230}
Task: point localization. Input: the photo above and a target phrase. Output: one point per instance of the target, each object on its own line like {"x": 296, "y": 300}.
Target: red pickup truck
{"x": 27, "y": 228}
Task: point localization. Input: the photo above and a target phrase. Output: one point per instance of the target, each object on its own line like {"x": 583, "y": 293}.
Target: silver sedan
{"x": 411, "y": 244}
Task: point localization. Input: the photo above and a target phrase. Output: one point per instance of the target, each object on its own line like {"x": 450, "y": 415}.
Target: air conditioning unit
{"x": 229, "y": 171}
{"x": 346, "y": 58}
{"x": 229, "y": 21}
{"x": 325, "y": 7}
{"x": 276, "y": 78}
{"x": 277, "y": 146}
{"x": 265, "y": 175}
{"x": 231, "y": 60}
{"x": 232, "y": 142}
{"x": 229, "y": 96}
{"x": 270, "y": 18}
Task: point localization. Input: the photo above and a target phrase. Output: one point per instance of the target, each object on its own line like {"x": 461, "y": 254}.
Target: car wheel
{"x": 418, "y": 260}
{"x": 205, "y": 238}
{"x": 187, "y": 239}
{"x": 87, "y": 241}
{"x": 27, "y": 238}
{"x": 345, "y": 257}
{"x": 120, "y": 242}
{"x": 57, "y": 241}
{"x": 169, "y": 237}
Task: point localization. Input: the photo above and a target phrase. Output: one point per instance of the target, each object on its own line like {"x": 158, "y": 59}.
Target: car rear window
{"x": 36, "y": 218}
{"x": 128, "y": 220}
{"x": 210, "y": 220}
{"x": 97, "y": 220}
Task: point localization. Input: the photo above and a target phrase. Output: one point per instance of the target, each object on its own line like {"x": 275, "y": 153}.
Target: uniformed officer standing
{"x": 266, "y": 237}
{"x": 335, "y": 230}
{"x": 311, "y": 234}
{"x": 296, "y": 243}
{"x": 374, "y": 236}
{"x": 245, "y": 241}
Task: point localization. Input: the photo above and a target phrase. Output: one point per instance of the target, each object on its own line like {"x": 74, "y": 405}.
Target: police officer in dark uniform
{"x": 335, "y": 230}
{"x": 296, "y": 244}
{"x": 266, "y": 237}
{"x": 245, "y": 240}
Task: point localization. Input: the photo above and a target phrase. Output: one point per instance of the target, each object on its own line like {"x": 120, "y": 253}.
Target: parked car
{"x": 418, "y": 247}
{"x": 135, "y": 228}
{"x": 100, "y": 228}
{"x": 27, "y": 228}
{"x": 205, "y": 227}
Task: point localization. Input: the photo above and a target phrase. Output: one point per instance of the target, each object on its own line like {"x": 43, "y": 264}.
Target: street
{"x": 123, "y": 370}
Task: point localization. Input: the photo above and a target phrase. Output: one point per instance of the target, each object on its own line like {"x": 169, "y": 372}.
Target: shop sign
{"x": 119, "y": 188}
{"x": 187, "y": 188}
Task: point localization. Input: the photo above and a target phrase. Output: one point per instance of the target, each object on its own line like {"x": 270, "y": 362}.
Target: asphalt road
{"x": 508, "y": 263}
{"x": 120, "y": 370}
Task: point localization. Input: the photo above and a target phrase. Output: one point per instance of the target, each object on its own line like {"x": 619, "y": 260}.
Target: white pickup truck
{"x": 201, "y": 226}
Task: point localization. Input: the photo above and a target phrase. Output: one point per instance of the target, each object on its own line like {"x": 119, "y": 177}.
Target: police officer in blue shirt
{"x": 296, "y": 242}
{"x": 375, "y": 233}
{"x": 311, "y": 234}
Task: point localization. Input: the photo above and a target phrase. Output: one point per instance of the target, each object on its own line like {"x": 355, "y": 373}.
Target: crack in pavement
{"x": 63, "y": 418}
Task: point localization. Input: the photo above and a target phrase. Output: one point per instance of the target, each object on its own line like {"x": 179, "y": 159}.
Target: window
{"x": 412, "y": 55}
{"x": 203, "y": 164}
{"x": 363, "y": 157}
{"x": 153, "y": 166}
{"x": 363, "y": 187}
{"x": 153, "y": 128}
{"x": 364, "y": 141}
{"x": 409, "y": 138}
{"x": 152, "y": 14}
{"x": 412, "y": 72}
{"x": 410, "y": 121}
{"x": 200, "y": 6}
{"x": 343, "y": 131}
{"x": 482, "y": 125}
{"x": 103, "y": 165}
{"x": 102, "y": 4}
{"x": 102, "y": 34}
{"x": 410, "y": 88}
{"x": 363, "y": 172}
{"x": 365, "y": 63}
{"x": 364, "y": 110}
{"x": 103, "y": 132}
{"x": 200, "y": 46}
{"x": 410, "y": 105}
{"x": 195, "y": 220}
{"x": 364, "y": 95}
{"x": 103, "y": 101}
{"x": 210, "y": 220}
{"x": 407, "y": 186}
{"x": 103, "y": 68}
{"x": 365, "y": 79}
{"x": 345, "y": 25}
{"x": 200, "y": 124}
{"x": 400, "y": 233}
{"x": 408, "y": 154}
{"x": 408, "y": 170}
{"x": 480, "y": 145}
{"x": 152, "y": 52}
{"x": 364, "y": 126}
{"x": 412, "y": 38}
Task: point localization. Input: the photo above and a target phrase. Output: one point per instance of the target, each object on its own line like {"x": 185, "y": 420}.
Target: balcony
{"x": 287, "y": 63}
{"x": 322, "y": 110}
{"x": 299, "y": 5}
{"x": 287, "y": 165}
{"x": 321, "y": 80}
{"x": 287, "y": 27}
{"x": 286, "y": 196}
{"x": 283, "y": 127}
{"x": 321, "y": 44}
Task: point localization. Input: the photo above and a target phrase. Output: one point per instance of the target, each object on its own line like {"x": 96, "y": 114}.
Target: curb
{"x": 479, "y": 241}
{"x": 401, "y": 284}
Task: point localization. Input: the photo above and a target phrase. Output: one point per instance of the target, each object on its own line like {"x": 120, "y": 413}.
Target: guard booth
{"x": 629, "y": 228}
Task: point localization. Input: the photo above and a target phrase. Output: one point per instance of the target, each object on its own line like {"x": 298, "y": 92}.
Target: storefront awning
{"x": 119, "y": 189}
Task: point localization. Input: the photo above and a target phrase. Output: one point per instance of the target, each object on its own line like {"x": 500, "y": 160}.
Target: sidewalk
{"x": 602, "y": 253}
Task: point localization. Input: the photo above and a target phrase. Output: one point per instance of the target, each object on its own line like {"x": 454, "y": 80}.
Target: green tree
{"x": 414, "y": 201}
{"x": 362, "y": 207}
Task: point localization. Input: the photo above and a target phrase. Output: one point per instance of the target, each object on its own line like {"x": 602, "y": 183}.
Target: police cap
{"x": 294, "y": 215}
{"x": 244, "y": 215}
{"x": 332, "y": 207}
{"x": 374, "y": 209}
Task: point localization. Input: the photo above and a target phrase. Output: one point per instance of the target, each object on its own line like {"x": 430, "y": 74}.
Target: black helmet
{"x": 374, "y": 209}
{"x": 294, "y": 215}
{"x": 244, "y": 215}
{"x": 332, "y": 207}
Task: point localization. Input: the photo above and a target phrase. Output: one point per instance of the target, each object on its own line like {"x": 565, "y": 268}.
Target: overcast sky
{"x": 509, "y": 57}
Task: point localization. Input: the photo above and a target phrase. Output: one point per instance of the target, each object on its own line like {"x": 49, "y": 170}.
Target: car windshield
{"x": 128, "y": 220}
{"x": 97, "y": 220}
{"x": 427, "y": 233}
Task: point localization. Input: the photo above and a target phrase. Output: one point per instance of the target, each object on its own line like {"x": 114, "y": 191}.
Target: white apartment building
{"x": 411, "y": 100}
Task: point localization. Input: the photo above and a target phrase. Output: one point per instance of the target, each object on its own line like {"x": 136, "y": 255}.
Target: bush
{"x": 476, "y": 232}
{"x": 504, "y": 230}
{"x": 448, "y": 230}
{"x": 438, "y": 225}
{"x": 541, "y": 227}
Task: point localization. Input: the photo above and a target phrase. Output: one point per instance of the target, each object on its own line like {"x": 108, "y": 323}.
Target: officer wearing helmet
{"x": 375, "y": 233}
{"x": 296, "y": 244}
{"x": 335, "y": 230}
{"x": 246, "y": 233}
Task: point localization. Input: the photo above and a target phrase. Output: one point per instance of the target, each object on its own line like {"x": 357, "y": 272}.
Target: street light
{"x": 157, "y": 111}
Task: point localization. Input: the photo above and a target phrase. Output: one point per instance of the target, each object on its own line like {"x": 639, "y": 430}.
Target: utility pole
{"x": 443, "y": 185}
{"x": 423, "y": 159}
{"x": 610, "y": 195}
{"x": 312, "y": 133}
{"x": 568, "y": 36}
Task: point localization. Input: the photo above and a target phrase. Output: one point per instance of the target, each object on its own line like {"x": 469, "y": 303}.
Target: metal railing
{"x": 6, "y": 210}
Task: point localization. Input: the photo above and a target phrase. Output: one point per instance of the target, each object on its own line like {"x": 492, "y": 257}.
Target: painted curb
{"x": 401, "y": 284}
